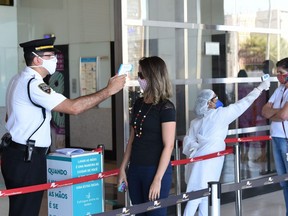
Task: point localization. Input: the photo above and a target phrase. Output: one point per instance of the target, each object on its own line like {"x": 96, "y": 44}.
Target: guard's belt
{"x": 21, "y": 147}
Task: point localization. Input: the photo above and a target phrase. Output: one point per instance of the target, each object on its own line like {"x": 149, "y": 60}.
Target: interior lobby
{"x": 205, "y": 44}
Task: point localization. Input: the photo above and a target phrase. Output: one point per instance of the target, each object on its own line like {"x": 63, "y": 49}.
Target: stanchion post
{"x": 178, "y": 176}
{"x": 102, "y": 168}
{"x": 214, "y": 198}
{"x": 238, "y": 193}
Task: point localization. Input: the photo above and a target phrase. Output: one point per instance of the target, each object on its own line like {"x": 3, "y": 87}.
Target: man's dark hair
{"x": 283, "y": 63}
{"x": 29, "y": 56}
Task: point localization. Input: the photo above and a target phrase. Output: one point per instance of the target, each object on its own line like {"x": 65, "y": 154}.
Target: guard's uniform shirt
{"x": 24, "y": 117}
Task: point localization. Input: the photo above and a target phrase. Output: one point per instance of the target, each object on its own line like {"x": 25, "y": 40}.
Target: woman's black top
{"x": 147, "y": 148}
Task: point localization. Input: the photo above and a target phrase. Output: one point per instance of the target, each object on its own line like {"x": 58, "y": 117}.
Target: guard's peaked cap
{"x": 39, "y": 45}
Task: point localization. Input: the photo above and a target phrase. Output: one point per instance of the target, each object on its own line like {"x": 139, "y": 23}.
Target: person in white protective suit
{"x": 207, "y": 135}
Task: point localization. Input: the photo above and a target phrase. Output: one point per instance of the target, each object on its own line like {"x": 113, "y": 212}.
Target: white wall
{"x": 94, "y": 127}
{"x": 8, "y": 54}
{"x": 84, "y": 25}
{"x": 72, "y": 21}
{"x": 8, "y": 48}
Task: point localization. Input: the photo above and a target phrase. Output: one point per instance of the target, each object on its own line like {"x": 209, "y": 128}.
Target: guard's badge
{"x": 44, "y": 87}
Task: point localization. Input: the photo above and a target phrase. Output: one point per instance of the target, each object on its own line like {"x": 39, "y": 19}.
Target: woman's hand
{"x": 122, "y": 177}
{"x": 154, "y": 192}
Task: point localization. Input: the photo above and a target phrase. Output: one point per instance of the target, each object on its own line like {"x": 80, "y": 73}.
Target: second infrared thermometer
{"x": 265, "y": 77}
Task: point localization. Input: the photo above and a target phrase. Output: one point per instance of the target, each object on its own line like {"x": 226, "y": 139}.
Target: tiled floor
{"x": 265, "y": 205}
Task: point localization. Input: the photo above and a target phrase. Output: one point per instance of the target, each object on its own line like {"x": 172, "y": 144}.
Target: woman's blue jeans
{"x": 280, "y": 148}
{"x": 139, "y": 180}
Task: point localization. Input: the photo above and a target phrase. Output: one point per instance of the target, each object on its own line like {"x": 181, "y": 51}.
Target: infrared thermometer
{"x": 125, "y": 68}
{"x": 265, "y": 77}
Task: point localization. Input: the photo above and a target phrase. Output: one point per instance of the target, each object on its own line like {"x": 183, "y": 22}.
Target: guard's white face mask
{"x": 48, "y": 64}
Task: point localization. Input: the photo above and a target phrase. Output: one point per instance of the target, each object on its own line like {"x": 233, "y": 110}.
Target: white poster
{"x": 88, "y": 75}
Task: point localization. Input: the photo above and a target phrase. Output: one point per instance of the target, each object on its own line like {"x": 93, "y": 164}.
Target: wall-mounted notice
{"x": 88, "y": 75}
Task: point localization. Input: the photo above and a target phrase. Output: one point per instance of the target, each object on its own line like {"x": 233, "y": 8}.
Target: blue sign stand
{"x": 80, "y": 199}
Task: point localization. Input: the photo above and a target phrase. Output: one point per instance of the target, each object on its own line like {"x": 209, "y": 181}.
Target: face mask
{"x": 282, "y": 78}
{"x": 48, "y": 64}
{"x": 142, "y": 83}
{"x": 218, "y": 104}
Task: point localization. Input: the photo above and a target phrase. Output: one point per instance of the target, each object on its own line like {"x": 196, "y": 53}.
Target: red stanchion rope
{"x": 106, "y": 174}
{"x": 63, "y": 183}
{"x": 229, "y": 150}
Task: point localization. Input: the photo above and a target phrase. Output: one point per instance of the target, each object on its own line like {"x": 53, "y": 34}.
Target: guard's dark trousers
{"x": 18, "y": 173}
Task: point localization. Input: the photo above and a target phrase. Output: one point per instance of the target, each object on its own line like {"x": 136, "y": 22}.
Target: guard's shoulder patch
{"x": 44, "y": 87}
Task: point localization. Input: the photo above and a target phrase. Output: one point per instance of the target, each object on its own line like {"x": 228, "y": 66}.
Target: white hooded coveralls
{"x": 207, "y": 135}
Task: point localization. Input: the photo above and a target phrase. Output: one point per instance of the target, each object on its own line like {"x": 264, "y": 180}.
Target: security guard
{"x": 29, "y": 102}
